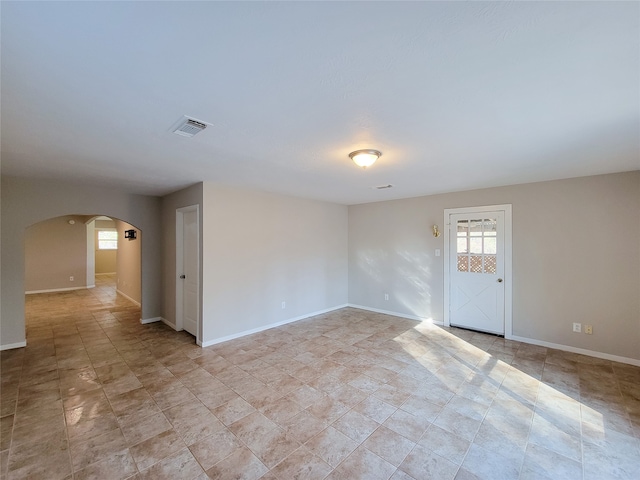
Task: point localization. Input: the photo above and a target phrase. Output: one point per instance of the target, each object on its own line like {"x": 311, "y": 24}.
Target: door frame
{"x": 508, "y": 277}
{"x": 180, "y": 267}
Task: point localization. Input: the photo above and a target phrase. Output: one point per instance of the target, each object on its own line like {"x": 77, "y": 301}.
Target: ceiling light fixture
{"x": 365, "y": 158}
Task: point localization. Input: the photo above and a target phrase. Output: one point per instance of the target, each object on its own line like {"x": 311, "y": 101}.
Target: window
{"x": 477, "y": 244}
{"x": 107, "y": 240}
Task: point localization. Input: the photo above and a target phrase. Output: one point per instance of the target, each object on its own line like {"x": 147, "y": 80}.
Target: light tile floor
{"x": 346, "y": 395}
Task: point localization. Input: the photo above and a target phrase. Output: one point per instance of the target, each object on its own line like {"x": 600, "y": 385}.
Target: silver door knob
{"x": 499, "y": 280}
{"x": 184, "y": 276}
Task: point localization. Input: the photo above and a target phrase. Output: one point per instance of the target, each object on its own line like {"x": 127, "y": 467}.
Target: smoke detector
{"x": 188, "y": 127}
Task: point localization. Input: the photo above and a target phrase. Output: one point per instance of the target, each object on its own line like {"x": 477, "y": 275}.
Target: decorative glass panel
{"x": 475, "y": 263}
{"x": 463, "y": 263}
{"x": 475, "y": 244}
{"x": 490, "y": 264}
{"x": 475, "y": 228}
{"x": 490, "y": 245}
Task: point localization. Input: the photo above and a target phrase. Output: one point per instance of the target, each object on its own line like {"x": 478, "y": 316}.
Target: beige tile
{"x": 363, "y": 464}
{"x": 233, "y": 410}
{"x": 490, "y": 465}
{"x": 501, "y": 408}
{"x": 423, "y": 463}
{"x": 355, "y": 426}
{"x": 214, "y": 448}
{"x": 272, "y": 447}
{"x": 96, "y": 448}
{"x": 156, "y": 448}
{"x": 119, "y": 465}
{"x": 240, "y": 464}
{"x": 331, "y": 446}
{"x": 145, "y": 428}
{"x": 181, "y": 465}
{"x": 252, "y": 427}
{"x": 47, "y": 457}
{"x": 389, "y": 445}
{"x": 302, "y": 464}
{"x": 407, "y": 424}
{"x": 445, "y": 444}
{"x": 303, "y": 426}
{"x": 193, "y": 421}
{"x": 375, "y": 409}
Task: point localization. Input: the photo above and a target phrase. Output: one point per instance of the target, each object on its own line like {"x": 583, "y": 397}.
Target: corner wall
{"x": 576, "y": 258}
{"x": 25, "y": 202}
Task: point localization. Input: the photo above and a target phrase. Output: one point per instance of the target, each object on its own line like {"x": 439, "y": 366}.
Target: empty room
{"x": 320, "y": 240}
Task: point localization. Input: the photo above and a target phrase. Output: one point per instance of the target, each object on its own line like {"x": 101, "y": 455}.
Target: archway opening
{"x": 81, "y": 266}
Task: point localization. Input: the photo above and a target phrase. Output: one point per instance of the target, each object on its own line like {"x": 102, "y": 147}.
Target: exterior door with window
{"x": 477, "y": 271}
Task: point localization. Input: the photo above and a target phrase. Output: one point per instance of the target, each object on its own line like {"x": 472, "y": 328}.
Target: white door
{"x": 188, "y": 272}
{"x": 477, "y": 270}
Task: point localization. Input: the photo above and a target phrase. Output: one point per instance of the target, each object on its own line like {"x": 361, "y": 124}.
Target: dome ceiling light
{"x": 365, "y": 158}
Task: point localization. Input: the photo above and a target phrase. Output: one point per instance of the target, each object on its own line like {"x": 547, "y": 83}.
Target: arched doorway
{"x": 82, "y": 263}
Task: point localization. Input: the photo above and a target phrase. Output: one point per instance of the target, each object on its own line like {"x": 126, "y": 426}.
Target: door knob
{"x": 184, "y": 276}
{"x": 499, "y": 280}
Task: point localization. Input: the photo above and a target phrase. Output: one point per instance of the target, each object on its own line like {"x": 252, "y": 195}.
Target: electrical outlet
{"x": 577, "y": 327}
{"x": 437, "y": 252}
{"x": 588, "y": 329}
{"x": 284, "y": 305}
{"x": 386, "y": 296}
{"x": 71, "y": 278}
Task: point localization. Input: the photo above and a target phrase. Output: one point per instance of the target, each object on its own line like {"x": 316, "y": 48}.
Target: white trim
{"x": 144, "y": 321}
{"x": 508, "y": 266}
{"x": 395, "y": 314}
{"x": 267, "y": 327}
{"x": 91, "y": 286}
{"x": 53, "y": 290}
{"x": 582, "y": 351}
{"x": 127, "y": 297}
{"x": 9, "y": 346}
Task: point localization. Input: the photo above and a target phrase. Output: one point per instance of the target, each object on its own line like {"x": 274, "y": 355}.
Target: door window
{"x": 476, "y": 245}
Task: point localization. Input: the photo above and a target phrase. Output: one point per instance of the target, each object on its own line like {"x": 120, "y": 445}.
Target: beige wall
{"x": 576, "y": 258}
{"x": 261, "y": 249}
{"x": 54, "y": 251}
{"x": 128, "y": 262}
{"x": 26, "y": 202}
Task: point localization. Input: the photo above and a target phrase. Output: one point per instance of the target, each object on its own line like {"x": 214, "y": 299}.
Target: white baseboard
{"x": 582, "y": 351}
{"x": 54, "y": 290}
{"x": 144, "y": 321}
{"x": 267, "y": 327}
{"x": 395, "y": 314}
{"x": 533, "y": 341}
{"x": 128, "y": 297}
{"x": 9, "y": 346}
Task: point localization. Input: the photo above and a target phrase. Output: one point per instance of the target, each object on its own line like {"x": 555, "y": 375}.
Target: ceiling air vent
{"x": 189, "y": 127}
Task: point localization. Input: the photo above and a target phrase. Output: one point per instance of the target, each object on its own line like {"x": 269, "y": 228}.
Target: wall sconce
{"x": 436, "y": 232}
{"x": 130, "y": 234}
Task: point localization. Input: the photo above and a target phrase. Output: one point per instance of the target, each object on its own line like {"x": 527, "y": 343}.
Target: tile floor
{"x": 346, "y": 395}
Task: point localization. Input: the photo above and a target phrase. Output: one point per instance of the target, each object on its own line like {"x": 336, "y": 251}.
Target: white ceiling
{"x": 457, "y": 95}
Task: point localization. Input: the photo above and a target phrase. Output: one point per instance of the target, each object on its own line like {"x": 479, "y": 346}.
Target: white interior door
{"x": 477, "y": 270}
{"x": 188, "y": 286}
